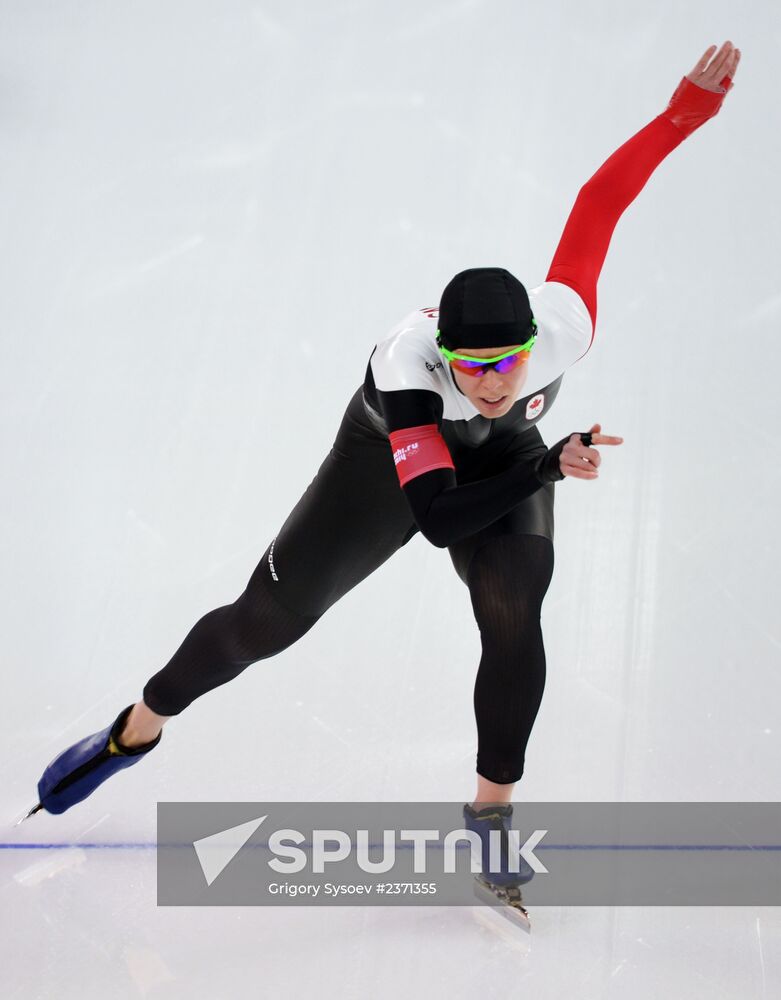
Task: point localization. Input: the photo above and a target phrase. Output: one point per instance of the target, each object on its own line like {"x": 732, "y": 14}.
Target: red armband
{"x": 417, "y": 450}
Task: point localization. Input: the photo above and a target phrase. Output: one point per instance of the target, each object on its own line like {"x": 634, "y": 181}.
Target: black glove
{"x": 548, "y": 468}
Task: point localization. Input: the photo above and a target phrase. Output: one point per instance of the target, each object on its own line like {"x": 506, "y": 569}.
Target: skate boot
{"x": 503, "y": 886}
{"x": 496, "y": 818}
{"x": 76, "y": 772}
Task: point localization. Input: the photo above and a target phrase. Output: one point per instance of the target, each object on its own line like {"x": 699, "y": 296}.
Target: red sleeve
{"x": 602, "y": 199}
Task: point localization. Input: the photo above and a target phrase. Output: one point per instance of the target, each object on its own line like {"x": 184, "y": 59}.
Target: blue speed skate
{"x": 76, "y": 772}
{"x": 501, "y": 886}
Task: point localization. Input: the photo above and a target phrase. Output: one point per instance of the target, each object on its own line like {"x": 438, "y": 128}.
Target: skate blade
{"x": 506, "y": 905}
{"x": 32, "y": 812}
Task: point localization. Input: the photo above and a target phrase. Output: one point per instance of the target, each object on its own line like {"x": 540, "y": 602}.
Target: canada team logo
{"x": 432, "y": 312}
{"x": 535, "y": 405}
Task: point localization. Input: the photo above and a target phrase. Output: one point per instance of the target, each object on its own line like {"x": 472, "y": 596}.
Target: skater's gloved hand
{"x": 700, "y": 93}
{"x": 574, "y": 456}
{"x": 718, "y": 75}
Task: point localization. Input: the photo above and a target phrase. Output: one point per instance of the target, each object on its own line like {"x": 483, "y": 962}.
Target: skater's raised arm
{"x": 602, "y": 199}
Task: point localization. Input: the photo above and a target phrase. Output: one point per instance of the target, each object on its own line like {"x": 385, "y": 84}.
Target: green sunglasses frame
{"x": 453, "y": 356}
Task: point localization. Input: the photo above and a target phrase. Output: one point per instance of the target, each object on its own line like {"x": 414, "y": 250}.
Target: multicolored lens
{"x": 503, "y": 363}
{"x": 504, "y": 366}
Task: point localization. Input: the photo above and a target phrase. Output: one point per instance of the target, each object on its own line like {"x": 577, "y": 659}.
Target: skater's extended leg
{"x": 221, "y": 645}
{"x": 351, "y": 518}
{"x": 218, "y": 648}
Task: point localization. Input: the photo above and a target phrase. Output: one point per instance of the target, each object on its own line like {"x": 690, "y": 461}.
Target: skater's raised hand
{"x": 580, "y": 460}
{"x": 716, "y": 74}
{"x": 701, "y": 93}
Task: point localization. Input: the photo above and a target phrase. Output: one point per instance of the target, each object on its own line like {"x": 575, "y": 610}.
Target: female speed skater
{"x": 441, "y": 438}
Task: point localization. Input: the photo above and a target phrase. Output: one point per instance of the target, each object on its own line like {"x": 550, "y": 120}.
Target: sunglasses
{"x": 503, "y": 363}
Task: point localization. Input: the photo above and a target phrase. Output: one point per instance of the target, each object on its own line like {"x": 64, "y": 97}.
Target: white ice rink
{"x": 211, "y": 211}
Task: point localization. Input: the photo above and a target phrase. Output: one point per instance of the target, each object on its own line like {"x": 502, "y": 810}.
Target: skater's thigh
{"x": 532, "y": 516}
{"x": 352, "y": 517}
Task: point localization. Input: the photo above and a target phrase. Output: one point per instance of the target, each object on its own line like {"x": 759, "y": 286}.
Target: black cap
{"x": 484, "y": 307}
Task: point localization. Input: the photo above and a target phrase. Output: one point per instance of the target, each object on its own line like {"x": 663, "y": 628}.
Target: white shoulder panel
{"x": 408, "y": 358}
{"x": 399, "y": 361}
{"x": 564, "y": 332}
